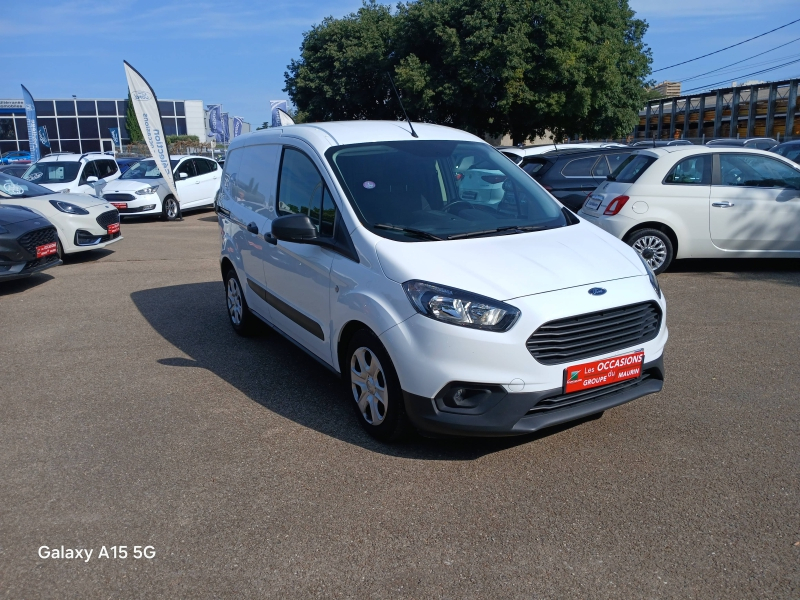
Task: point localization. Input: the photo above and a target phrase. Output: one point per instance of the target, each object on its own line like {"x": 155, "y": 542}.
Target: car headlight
{"x": 457, "y": 307}
{"x": 651, "y": 275}
{"x": 147, "y": 191}
{"x": 68, "y": 208}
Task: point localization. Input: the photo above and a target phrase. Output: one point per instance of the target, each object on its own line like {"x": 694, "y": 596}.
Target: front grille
{"x": 138, "y": 209}
{"x": 40, "y": 262}
{"x": 107, "y": 218}
{"x": 119, "y": 197}
{"x": 31, "y": 240}
{"x": 593, "y": 334}
{"x": 593, "y": 394}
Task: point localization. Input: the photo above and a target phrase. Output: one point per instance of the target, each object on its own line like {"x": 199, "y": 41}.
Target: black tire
{"x": 382, "y": 415}
{"x": 239, "y": 316}
{"x": 169, "y": 209}
{"x": 60, "y": 250}
{"x": 654, "y": 246}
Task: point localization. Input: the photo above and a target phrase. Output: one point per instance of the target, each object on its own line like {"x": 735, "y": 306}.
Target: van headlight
{"x": 147, "y": 191}
{"x": 457, "y": 307}
{"x": 651, "y": 275}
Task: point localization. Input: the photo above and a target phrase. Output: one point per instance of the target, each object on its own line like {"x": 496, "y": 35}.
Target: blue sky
{"x": 236, "y": 52}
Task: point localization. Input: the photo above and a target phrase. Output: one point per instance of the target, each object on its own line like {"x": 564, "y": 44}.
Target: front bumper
{"x": 518, "y": 414}
{"x": 133, "y": 205}
{"x": 10, "y": 271}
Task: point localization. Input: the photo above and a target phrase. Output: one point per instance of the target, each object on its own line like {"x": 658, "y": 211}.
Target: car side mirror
{"x": 91, "y": 179}
{"x": 182, "y": 175}
{"x": 294, "y": 228}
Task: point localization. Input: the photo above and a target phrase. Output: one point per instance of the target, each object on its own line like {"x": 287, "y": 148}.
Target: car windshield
{"x": 419, "y": 189}
{"x": 14, "y": 187}
{"x": 53, "y": 172}
{"x": 145, "y": 169}
{"x": 631, "y": 168}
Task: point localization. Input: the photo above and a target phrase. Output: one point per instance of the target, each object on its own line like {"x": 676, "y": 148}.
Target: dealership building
{"x": 83, "y": 125}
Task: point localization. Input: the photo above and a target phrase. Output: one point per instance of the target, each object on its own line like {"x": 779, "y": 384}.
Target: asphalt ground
{"x": 131, "y": 414}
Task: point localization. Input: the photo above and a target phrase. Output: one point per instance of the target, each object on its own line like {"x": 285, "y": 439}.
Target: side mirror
{"x": 182, "y": 175}
{"x": 294, "y": 228}
{"x": 91, "y": 179}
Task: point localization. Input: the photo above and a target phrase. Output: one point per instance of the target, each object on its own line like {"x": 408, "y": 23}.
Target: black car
{"x": 790, "y": 150}
{"x": 757, "y": 143}
{"x": 571, "y": 175}
{"x": 15, "y": 169}
{"x": 28, "y": 243}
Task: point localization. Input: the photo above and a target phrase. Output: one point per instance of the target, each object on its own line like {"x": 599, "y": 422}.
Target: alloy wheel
{"x": 234, "y": 301}
{"x": 652, "y": 249}
{"x": 172, "y": 208}
{"x": 368, "y": 383}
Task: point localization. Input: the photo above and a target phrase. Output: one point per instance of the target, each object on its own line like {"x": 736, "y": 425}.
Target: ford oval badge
{"x": 597, "y": 291}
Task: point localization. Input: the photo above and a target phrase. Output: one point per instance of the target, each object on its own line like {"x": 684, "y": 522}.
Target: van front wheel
{"x": 375, "y": 388}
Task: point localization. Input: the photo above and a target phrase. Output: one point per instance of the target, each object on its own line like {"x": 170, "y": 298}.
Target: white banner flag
{"x": 145, "y": 104}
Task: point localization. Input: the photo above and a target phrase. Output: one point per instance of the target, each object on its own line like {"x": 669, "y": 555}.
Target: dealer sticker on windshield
{"x": 593, "y": 203}
{"x": 588, "y": 375}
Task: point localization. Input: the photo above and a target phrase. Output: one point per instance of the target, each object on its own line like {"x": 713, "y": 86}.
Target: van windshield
{"x": 53, "y": 172}
{"x": 420, "y": 190}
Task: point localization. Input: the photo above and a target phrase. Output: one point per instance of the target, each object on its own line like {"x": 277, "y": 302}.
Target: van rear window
{"x": 632, "y": 168}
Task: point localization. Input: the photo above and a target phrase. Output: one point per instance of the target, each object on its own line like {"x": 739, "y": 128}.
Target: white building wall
{"x": 195, "y": 119}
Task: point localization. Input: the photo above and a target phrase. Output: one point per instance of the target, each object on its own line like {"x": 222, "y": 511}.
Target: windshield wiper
{"x": 510, "y": 228}
{"x": 418, "y": 232}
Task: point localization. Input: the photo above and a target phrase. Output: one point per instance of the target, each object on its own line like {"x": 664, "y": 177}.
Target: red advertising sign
{"x": 113, "y": 228}
{"x": 46, "y": 249}
{"x": 596, "y": 373}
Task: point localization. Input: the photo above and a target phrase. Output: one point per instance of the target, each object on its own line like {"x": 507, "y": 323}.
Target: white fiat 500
{"x": 355, "y": 241}
{"x": 701, "y": 202}
{"x": 143, "y": 191}
{"x": 83, "y": 222}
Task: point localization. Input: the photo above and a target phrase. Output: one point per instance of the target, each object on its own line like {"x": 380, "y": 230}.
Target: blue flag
{"x": 237, "y": 126}
{"x": 215, "y": 122}
{"x": 226, "y": 133}
{"x": 274, "y": 106}
{"x": 114, "y": 131}
{"x": 33, "y": 129}
{"x": 43, "y": 137}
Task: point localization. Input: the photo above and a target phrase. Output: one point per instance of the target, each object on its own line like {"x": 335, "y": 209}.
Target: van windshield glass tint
{"x": 631, "y": 168}
{"x": 442, "y": 188}
{"x": 52, "y": 172}
{"x": 145, "y": 169}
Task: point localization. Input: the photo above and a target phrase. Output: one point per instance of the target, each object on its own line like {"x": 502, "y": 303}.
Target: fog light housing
{"x": 469, "y": 398}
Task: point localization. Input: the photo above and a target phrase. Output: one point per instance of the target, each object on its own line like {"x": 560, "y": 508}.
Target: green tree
{"x": 488, "y": 66}
{"x": 264, "y": 125}
{"x": 132, "y": 123}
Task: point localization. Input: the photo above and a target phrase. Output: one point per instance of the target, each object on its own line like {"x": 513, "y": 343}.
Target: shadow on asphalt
{"x": 88, "y": 256}
{"x": 274, "y": 373}
{"x": 211, "y": 219}
{"x": 16, "y": 286}
{"x": 778, "y": 270}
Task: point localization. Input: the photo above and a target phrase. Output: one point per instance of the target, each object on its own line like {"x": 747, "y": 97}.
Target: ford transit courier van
{"x": 355, "y": 241}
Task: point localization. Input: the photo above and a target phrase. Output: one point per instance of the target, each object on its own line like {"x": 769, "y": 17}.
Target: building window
{"x": 107, "y": 107}
{"x": 68, "y": 129}
{"x": 65, "y": 108}
{"x": 169, "y": 127}
{"x": 167, "y": 109}
{"x": 89, "y": 128}
{"x": 181, "y": 126}
{"x": 86, "y": 108}
{"x": 122, "y": 107}
{"x": 71, "y": 146}
{"x": 180, "y": 109}
{"x": 107, "y": 123}
{"x": 44, "y": 108}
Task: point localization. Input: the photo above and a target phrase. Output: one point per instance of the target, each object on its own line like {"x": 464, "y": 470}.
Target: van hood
{"x": 510, "y": 266}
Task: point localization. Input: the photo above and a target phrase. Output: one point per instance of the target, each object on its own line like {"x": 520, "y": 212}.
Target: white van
{"x": 355, "y": 242}
{"x": 69, "y": 173}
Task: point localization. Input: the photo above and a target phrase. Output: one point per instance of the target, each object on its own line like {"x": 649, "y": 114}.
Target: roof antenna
{"x": 414, "y": 133}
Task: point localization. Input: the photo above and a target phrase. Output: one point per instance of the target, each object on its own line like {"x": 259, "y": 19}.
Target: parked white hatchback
{"x": 142, "y": 190}
{"x": 83, "y": 222}
{"x": 701, "y": 202}
{"x": 354, "y": 241}
{"x": 67, "y": 173}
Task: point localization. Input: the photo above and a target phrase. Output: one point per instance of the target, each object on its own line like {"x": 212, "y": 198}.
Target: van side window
{"x": 106, "y": 168}
{"x": 300, "y": 186}
{"x": 252, "y": 171}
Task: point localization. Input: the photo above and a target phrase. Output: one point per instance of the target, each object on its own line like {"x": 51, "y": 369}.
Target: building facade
{"x": 770, "y": 109}
{"x": 83, "y": 125}
{"x": 668, "y": 89}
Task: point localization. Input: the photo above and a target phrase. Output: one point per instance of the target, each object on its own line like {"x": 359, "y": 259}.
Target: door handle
{"x": 270, "y": 239}
{"x": 252, "y": 228}
{"x": 723, "y": 204}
